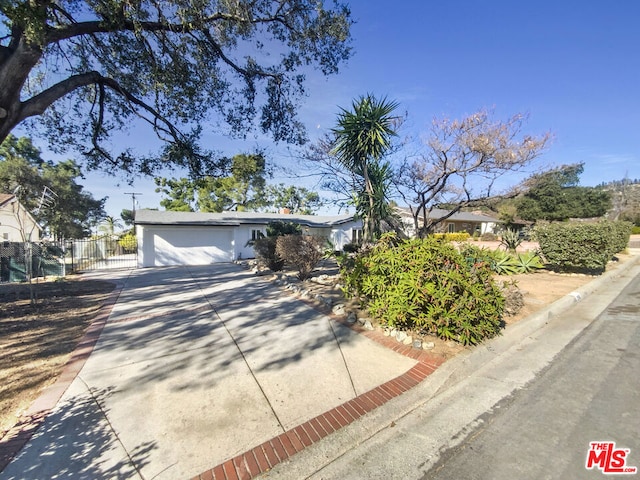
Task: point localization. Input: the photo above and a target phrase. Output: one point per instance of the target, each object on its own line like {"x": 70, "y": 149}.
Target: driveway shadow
{"x": 77, "y": 442}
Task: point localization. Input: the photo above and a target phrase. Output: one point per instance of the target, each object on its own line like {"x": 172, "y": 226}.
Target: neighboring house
{"x": 195, "y": 238}
{"x": 458, "y": 222}
{"x": 16, "y": 223}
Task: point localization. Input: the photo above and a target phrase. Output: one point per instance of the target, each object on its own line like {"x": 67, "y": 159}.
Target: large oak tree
{"x": 83, "y": 69}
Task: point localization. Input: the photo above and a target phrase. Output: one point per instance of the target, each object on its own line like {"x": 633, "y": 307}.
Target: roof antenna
{"x": 47, "y": 199}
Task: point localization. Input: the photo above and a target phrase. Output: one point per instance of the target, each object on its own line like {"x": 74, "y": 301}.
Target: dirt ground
{"x": 36, "y": 341}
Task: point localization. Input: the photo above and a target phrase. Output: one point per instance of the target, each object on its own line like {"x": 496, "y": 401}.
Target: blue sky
{"x": 573, "y": 66}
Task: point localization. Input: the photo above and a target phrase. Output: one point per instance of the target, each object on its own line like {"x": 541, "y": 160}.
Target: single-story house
{"x": 16, "y": 223}
{"x": 470, "y": 222}
{"x": 195, "y": 238}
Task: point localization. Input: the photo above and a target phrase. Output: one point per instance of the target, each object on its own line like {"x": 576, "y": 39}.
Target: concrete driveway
{"x": 194, "y": 367}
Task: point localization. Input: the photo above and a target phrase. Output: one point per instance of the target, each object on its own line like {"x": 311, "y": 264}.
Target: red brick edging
{"x": 16, "y": 438}
{"x": 261, "y": 458}
{"x": 264, "y": 457}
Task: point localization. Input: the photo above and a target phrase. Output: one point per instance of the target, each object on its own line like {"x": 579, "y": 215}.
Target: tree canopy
{"x": 556, "y": 195}
{"x": 293, "y": 199}
{"x": 84, "y": 69}
{"x": 241, "y": 190}
{"x": 48, "y": 190}
{"x": 245, "y": 188}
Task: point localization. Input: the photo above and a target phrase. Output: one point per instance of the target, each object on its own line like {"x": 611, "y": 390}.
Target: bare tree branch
{"x": 461, "y": 163}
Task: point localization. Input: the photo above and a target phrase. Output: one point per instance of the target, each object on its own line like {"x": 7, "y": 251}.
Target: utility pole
{"x": 133, "y": 200}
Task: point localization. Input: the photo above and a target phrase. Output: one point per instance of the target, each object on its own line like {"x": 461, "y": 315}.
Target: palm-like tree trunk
{"x": 362, "y": 138}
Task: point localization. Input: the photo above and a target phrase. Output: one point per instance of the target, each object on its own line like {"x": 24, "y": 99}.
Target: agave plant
{"x": 505, "y": 263}
{"x": 529, "y": 262}
{"x": 511, "y": 239}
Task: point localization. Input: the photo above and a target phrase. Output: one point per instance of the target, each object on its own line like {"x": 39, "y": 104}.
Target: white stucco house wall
{"x": 16, "y": 223}
{"x": 194, "y": 238}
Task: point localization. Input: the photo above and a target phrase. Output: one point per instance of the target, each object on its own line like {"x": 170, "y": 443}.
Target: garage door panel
{"x": 191, "y": 245}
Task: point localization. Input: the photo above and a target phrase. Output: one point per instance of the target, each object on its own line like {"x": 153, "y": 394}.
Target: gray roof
{"x": 157, "y": 217}
{"x": 458, "y": 216}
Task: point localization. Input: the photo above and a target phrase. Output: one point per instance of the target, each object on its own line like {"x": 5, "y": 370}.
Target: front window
{"x": 356, "y": 235}
{"x": 256, "y": 234}
{"x": 451, "y": 228}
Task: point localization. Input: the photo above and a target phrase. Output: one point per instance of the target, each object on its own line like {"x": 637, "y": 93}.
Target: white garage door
{"x": 165, "y": 246}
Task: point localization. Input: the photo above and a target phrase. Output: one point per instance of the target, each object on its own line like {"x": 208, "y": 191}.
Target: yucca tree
{"x": 380, "y": 174}
{"x": 362, "y": 137}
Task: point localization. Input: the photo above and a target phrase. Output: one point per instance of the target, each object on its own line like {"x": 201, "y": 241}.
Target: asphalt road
{"x": 589, "y": 393}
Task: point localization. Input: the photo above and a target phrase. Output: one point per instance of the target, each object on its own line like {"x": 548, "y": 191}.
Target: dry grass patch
{"x": 37, "y": 340}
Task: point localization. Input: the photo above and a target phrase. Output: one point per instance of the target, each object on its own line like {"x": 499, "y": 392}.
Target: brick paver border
{"x": 17, "y": 437}
{"x": 264, "y": 457}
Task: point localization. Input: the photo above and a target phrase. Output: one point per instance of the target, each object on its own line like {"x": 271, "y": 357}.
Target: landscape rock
{"x": 338, "y": 309}
{"x": 400, "y": 336}
{"x": 417, "y": 344}
{"x": 408, "y": 340}
{"x": 323, "y": 279}
{"x": 428, "y": 346}
{"x": 324, "y": 300}
{"x": 352, "y": 317}
{"x": 368, "y": 325}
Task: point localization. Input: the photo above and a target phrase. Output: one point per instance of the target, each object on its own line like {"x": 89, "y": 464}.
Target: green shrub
{"x": 488, "y": 237}
{"x": 621, "y": 235}
{"x": 635, "y": 230}
{"x": 265, "y": 250}
{"x": 582, "y": 246}
{"x": 302, "y": 252}
{"x": 351, "y": 248}
{"x": 279, "y": 228}
{"x": 453, "y": 237}
{"x": 426, "y": 285}
{"x": 128, "y": 242}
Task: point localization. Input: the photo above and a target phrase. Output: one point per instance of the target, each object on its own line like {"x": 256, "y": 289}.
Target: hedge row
{"x": 582, "y": 246}
{"x": 453, "y": 237}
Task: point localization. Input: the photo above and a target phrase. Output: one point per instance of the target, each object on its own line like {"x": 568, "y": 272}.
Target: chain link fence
{"x": 20, "y": 261}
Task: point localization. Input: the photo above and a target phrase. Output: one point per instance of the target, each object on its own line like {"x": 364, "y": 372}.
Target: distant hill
{"x": 625, "y": 199}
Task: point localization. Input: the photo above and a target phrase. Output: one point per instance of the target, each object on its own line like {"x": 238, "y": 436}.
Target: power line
{"x": 133, "y": 200}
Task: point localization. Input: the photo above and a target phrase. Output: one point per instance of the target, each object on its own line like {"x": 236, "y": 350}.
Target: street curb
{"x": 462, "y": 364}
{"x": 446, "y": 378}
{"x": 373, "y": 411}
